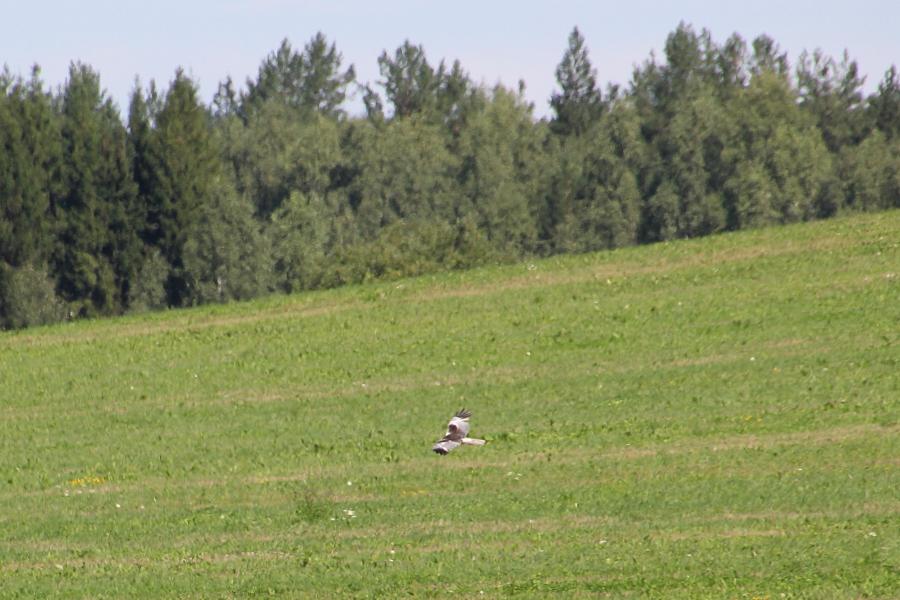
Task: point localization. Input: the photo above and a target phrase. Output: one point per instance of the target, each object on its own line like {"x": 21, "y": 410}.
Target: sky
{"x": 495, "y": 41}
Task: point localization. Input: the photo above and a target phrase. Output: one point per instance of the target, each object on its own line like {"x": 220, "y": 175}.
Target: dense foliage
{"x": 276, "y": 187}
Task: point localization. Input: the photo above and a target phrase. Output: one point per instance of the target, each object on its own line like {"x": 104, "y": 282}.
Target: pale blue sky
{"x": 495, "y": 41}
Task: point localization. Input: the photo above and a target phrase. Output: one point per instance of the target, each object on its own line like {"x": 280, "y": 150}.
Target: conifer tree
{"x": 885, "y": 104}
{"x": 731, "y": 65}
{"x": 308, "y": 81}
{"x": 579, "y": 103}
{"x": 409, "y": 81}
{"x": 96, "y": 251}
{"x": 767, "y": 57}
{"x": 29, "y": 160}
{"x": 177, "y": 166}
{"x": 831, "y": 92}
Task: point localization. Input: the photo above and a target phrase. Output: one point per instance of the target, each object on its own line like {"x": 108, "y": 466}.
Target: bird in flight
{"x": 457, "y": 432}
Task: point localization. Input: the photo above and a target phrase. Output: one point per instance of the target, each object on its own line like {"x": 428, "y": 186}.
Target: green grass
{"x": 711, "y": 418}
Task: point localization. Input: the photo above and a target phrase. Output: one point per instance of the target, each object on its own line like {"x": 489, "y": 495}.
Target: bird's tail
{"x": 473, "y": 441}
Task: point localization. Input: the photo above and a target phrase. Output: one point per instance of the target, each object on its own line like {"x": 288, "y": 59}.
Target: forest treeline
{"x": 275, "y": 187}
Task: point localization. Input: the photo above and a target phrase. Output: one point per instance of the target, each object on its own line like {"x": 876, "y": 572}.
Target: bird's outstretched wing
{"x": 444, "y": 445}
{"x": 463, "y": 414}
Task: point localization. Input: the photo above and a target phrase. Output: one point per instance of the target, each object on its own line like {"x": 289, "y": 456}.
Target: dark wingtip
{"x": 441, "y": 451}
{"x": 463, "y": 413}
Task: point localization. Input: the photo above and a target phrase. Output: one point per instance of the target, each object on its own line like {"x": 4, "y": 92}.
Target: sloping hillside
{"x": 708, "y": 418}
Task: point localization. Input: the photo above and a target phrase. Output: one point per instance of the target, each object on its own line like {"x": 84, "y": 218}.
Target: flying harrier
{"x": 457, "y": 430}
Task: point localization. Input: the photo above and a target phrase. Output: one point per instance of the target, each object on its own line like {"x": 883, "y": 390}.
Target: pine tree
{"x": 731, "y": 63}
{"x": 579, "y": 103}
{"x": 690, "y": 63}
{"x": 566, "y": 181}
{"x": 831, "y": 92}
{"x": 308, "y": 81}
{"x": 225, "y": 102}
{"x": 884, "y": 105}
{"x": 455, "y": 96}
{"x": 124, "y": 248}
{"x": 30, "y": 154}
{"x": 691, "y": 148}
{"x": 142, "y": 112}
{"x": 176, "y": 167}
{"x": 768, "y": 57}
{"x": 29, "y": 160}
{"x": 324, "y": 86}
{"x": 410, "y": 83}
{"x": 96, "y": 252}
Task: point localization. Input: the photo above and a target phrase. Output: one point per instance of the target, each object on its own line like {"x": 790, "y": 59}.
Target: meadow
{"x": 710, "y": 418}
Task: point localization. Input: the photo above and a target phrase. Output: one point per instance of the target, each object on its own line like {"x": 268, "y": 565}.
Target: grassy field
{"x": 712, "y": 418}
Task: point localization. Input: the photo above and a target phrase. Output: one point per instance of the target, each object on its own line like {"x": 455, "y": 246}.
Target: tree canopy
{"x": 275, "y": 186}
